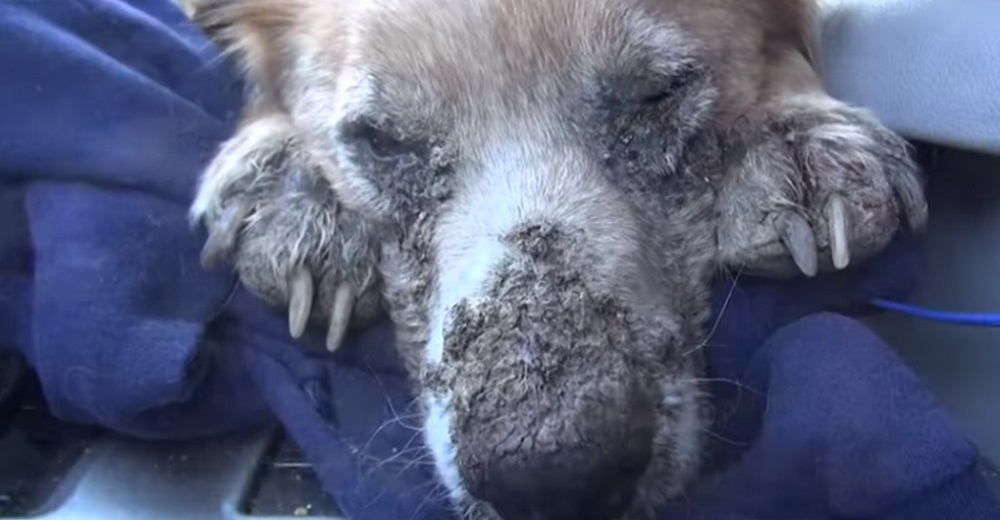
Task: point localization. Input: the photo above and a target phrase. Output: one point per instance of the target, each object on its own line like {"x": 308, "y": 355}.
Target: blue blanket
{"x": 111, "y": 108}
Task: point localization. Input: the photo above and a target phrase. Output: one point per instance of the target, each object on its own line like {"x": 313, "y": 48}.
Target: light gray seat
{"x": 930, "y": 69}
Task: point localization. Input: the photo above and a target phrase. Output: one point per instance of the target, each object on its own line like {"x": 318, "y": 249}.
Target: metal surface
{"x": 120, "y": 479}
{"x": 58, "y": 471}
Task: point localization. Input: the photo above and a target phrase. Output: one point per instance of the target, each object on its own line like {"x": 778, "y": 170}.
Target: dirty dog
{"x": 539, "y": 192}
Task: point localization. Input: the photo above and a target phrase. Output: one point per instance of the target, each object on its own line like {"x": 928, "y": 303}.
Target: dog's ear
{"x": 256, "y": 34}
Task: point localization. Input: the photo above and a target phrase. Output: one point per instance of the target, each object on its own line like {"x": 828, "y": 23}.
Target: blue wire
{"x": 962, "y": 318}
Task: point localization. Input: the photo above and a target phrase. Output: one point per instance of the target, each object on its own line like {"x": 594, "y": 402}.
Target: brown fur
{"x": 545, "y": 189}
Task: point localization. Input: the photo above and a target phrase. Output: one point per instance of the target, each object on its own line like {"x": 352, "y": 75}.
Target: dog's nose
{"x": 536, "y": 492}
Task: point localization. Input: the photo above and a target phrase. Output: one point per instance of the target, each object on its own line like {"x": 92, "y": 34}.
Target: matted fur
{"x": 540, "y": 192}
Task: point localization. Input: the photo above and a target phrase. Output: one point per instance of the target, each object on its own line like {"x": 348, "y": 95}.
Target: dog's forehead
{"x": 470, "y": 53}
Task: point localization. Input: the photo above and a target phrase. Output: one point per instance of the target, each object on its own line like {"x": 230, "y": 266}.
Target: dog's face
{"x": 548, "y": 236}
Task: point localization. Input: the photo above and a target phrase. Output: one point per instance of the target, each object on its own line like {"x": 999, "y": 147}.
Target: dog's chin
{"x": 439, "y": 419}
{"x": 674, "y": 463}
{"x": 438, "y": 422}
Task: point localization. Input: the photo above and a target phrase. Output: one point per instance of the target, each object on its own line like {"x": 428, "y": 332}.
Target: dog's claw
{"x": 340, "y": 315}
{"x": 836, "y": 212}
{"x": 222, "y": 236}
{"x": 299, "y": 302}
{"x": 910, "y": 196}
{"x": 801, "y": 243}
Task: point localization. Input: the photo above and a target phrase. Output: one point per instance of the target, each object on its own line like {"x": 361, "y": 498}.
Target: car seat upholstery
{"x": 929, "y": 68}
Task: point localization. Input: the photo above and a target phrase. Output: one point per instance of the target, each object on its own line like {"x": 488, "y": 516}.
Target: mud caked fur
{"x": 538, "y": 193}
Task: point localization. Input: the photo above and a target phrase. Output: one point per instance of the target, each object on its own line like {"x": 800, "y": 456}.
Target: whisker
{"x": 420, "y": 456}
{"x": 377, "y": 498}
{"x": 436, "y": 493}
{"x": 718, "y": 319}
{"x": 386, "y": 424}
{"x": 385, "y": 394}
{"x": 733, "y": 382}
{"x": 424, "y": 455}
{"x": 427, "y": 461}
{"x": 724, "y": 439}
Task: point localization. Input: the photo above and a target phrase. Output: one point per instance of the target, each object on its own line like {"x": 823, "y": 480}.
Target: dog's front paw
{"x": 817, "y": 188}
{"x": 269, "y": 209}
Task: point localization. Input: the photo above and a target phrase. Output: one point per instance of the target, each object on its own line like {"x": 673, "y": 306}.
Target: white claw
{"x": 798, "y": 238}
{"x": 223, "y": 235}
{"x": 300, "y": 302}
{"x": 340, "y": 315}
{"x": 837, "y": 219}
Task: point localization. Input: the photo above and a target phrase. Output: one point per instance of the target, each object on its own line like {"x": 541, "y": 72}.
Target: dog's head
{"x": 549, "y": 238}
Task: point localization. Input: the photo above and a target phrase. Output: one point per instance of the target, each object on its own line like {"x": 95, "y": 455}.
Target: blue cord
{"x": 961, "y": 318}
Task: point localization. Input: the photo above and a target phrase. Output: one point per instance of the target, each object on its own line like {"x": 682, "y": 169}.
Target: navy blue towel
{"x": 111, "y": 108}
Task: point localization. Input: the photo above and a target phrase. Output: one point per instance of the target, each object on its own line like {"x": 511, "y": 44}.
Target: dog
{"x": 539, "y": 193}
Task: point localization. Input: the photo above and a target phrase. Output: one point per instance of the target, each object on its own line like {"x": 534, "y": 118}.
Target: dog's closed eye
{"x": 377, "y": 141}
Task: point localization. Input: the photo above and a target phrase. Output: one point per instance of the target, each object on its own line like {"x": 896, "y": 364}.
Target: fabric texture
{"x": 936, "y": 72}
{"x": 111, "y": 109}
